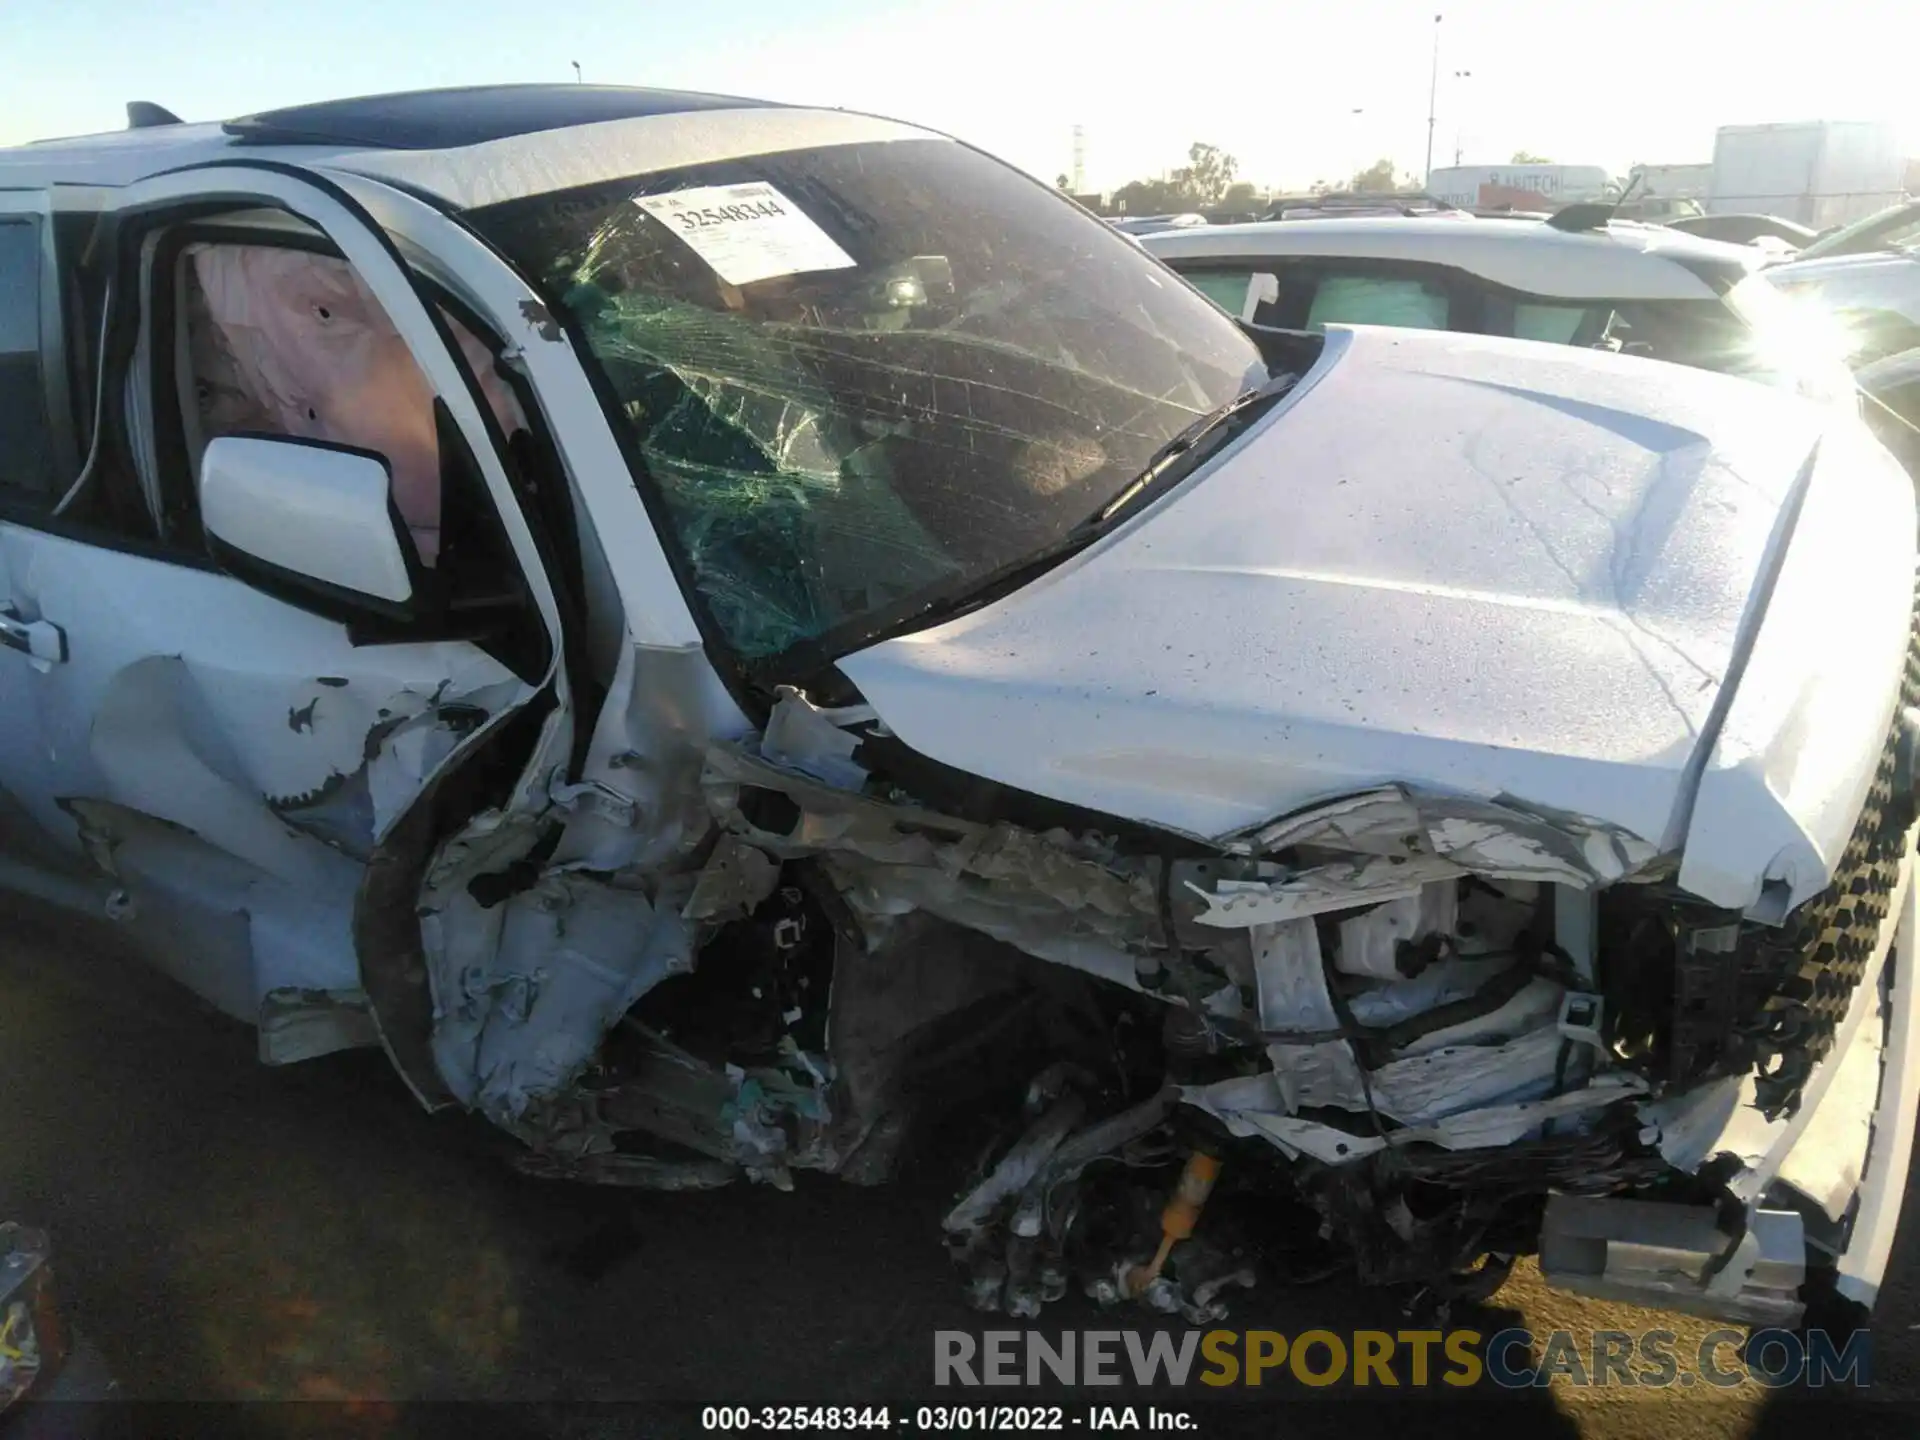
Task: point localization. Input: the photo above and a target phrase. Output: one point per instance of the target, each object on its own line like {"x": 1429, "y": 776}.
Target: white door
{"x": 233, "y": 759}
{"x": 36, "y": 458}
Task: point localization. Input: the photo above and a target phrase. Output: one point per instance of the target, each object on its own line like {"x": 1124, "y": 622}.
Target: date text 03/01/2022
{"x": 814, "y": 1419}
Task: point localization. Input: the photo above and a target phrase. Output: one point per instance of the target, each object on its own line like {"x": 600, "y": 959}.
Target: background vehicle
{"x": 1351, "y": 203}
{"x": 1745, "y": 229}
{"x": 616, "y": 599}
{"x": 1894, "y": 230}
{"x": 1866, "y": 277}
{"x": 1657, "y": 209}
{"x": 1640, "y": 288}
{"x": 1148, "y": 224}
{"x": 1820, "y": 173}
{"x": 1556, "y": 185}
{"x": 1672, "y": 182}
{"x": 1872, "y": 299}
{"x": 1892, "y": 385}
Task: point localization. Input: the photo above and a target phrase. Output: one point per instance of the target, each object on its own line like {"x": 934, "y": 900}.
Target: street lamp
{"x": 1433, "y": 97}
{"x": 1459, "y": 75}
{"x": 577, "y": 77}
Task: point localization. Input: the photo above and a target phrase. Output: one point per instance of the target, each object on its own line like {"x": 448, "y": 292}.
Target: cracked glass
{"x": 832, "y": 450}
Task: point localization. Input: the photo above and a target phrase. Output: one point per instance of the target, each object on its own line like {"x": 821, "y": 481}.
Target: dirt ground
{"x": 229, "y": 1232}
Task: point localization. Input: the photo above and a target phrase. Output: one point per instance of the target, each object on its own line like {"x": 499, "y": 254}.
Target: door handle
{"x": 41, "y": 639}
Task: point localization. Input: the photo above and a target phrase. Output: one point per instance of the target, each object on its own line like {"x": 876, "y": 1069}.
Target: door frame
{"x": 524, "y": 763}
{"x": 381, "y": 267}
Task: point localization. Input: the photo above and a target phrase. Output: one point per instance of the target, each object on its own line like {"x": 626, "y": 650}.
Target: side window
{"x": 26, "y": 448}
{"x": 1237, "y": 289}
{"x": 1377, "y": 299}
{"x": 277, "y": 340}
{"x": 1226, "y": 288}
{"x": 249, "y": 332}
{"x": 1556, "y": 322}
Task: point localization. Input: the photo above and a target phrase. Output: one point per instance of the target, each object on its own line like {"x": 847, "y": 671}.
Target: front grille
{"x": 1815, "y": 962}
{"x": 1695, "y": 992}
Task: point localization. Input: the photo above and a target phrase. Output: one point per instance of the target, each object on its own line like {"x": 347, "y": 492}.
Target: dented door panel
{"x": 231, "y": 762}
{"x": 241, "y": 757}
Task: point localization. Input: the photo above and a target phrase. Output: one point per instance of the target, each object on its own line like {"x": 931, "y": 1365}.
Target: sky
{"x": 1296, "y": 90}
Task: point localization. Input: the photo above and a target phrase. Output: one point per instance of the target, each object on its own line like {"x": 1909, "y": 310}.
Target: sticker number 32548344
{"x": 746, "y": 232}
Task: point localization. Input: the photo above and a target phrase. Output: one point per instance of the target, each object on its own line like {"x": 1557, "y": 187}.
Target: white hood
{"x": 1477, "y": 565}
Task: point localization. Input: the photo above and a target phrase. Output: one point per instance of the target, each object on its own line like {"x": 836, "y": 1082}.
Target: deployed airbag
{"x": 293, "y": 343}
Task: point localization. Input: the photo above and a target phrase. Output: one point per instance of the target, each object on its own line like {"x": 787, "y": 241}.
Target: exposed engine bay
{"x": 1395, "y": 1034}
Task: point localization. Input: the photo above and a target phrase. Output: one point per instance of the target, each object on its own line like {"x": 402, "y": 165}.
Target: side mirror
{"x": 312, "y": 522}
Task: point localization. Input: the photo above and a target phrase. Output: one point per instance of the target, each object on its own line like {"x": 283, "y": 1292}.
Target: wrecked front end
{"x": 1413, "y": 1035}
{"x": 1585, "y": 943}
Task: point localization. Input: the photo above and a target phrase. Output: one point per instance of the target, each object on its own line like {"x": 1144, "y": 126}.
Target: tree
{"x": 1527, "y": 157}
{"x": 1061, "y": 181}
{"x": 1241, "y": 192}
{"x": 1375, "y": 178}
{"x": 1150, "y": 197}
{"x": 1204, "y": 180}
{"x": 1207, "y": 174}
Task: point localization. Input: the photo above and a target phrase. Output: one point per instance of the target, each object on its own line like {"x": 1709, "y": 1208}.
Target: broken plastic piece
{"x": 1676, "y": 1257}
{"x": 1384, "y": 942}
{"x": 1580, "y": 1018}
{"x": 804, "y": 737}
{"x": 1189, "y": 1198}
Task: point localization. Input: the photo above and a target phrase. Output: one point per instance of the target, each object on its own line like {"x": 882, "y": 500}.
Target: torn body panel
{"x": 1050, "y": 896}
{"x": 665, "y": 706}
{"x": 1373, "y": 983}
{"x": 1374, "y": 991}
{"x": 524, "y": 989}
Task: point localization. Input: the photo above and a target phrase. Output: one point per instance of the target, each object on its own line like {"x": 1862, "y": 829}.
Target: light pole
{"x": 577, "y": 77}
{"x": 1433, "y": 98}
{"x": 1353, "y": 139}
{"x": 1458, "y": 75}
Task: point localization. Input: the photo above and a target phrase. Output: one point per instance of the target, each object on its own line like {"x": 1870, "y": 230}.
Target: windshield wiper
{"x": 1170, "y": 462}
{"x": 1181, "y": 453}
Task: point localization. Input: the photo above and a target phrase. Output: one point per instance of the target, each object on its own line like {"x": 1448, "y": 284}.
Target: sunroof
{"x": 444, "y": 119}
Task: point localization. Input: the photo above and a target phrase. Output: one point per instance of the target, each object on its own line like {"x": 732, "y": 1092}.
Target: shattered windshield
{"x": 863, "y": 379}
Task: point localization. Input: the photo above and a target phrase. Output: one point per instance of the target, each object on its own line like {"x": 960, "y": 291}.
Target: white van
{"x": 1469, "y": 186}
